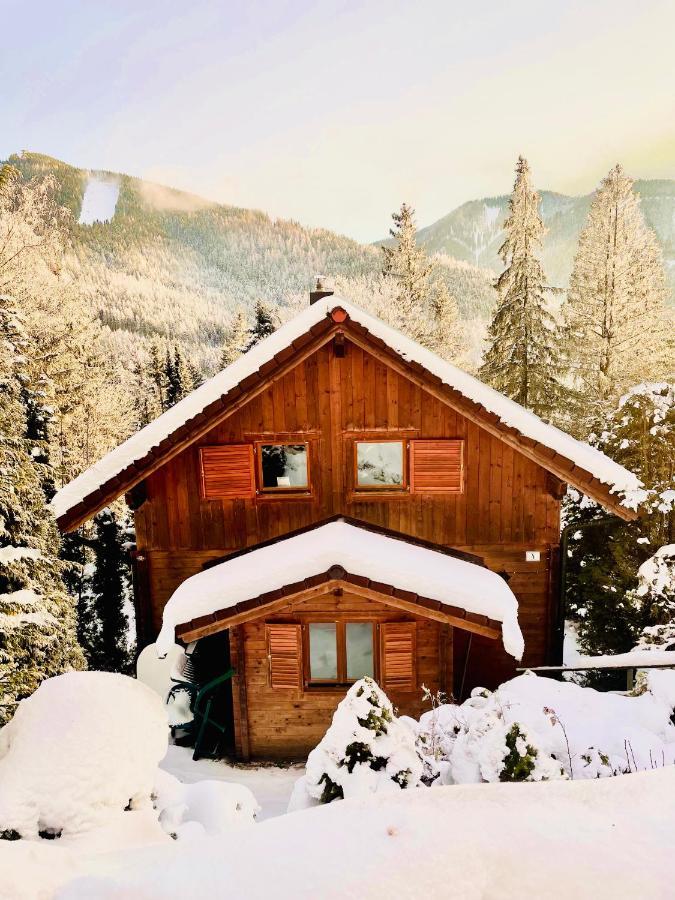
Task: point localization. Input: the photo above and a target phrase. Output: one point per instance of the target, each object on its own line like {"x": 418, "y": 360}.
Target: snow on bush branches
{"x": 366, "y": 749}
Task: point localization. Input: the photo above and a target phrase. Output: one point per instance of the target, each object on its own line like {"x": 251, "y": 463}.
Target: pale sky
{"x": 333, "y": 113}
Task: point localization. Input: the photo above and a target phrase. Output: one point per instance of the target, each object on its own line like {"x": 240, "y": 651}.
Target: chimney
{"x": 321, "y": 290}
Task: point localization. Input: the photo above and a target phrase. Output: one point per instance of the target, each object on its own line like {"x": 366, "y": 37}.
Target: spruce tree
{"x": 604, "y": 559}
{"x": 156, "y": 374}
{"x": 264, "y": 324}
{"x": 615, "y": 303}
{"x": 107, "y": 646}
{"x": 448, "y": 332}
{"x": 410, "y": 268}
{"x": 523, "y": 357}
{"x": 37, "y": 617}
{"x": 236, "y": 340}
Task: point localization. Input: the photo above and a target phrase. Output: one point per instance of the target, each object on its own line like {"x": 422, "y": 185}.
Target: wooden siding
{"x": 329, "y": 401}
{"x": 287, "y": 724}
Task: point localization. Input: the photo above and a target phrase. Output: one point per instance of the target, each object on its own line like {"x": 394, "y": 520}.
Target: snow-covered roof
{"x": 360, "y": 551}
{"x": 610, "y": 473}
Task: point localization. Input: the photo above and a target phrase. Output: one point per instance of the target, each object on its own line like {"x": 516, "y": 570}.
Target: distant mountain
{"x": 473, "y": 231}
{"x": 157, "y": 261}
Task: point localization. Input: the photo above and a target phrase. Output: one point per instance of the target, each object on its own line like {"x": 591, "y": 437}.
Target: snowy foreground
{"x": 93, "y": 806}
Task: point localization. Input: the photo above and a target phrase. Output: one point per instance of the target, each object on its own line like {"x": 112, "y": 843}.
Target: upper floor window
{"x": 283, "y": 467}
{"x": 380, "y": 464}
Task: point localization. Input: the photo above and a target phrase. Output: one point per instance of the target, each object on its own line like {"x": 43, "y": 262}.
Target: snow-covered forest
{"x": 107, "y": 324}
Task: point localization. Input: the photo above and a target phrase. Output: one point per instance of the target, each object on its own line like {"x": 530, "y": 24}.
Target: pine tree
{"x": 409, "y": 267}
{"x": 264, "y": 324}
{"x": 156, "y": 374}
{"x": 615, "y": 304}
{"x": 448, "y": 332}
{"x": 522, "y": 360}
{"x": 604, "y": 559}
{"x": 236, "y": 339}
{"x": 37, "y": 617}
{"x": 105, "y": 639}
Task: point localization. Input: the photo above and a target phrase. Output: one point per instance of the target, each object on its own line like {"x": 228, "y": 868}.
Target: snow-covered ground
{"x": 606, "y": 838}
{"x": 271, "y": 785}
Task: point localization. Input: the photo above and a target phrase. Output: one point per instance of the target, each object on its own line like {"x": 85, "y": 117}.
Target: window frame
{"x": 402, "y": 488}
{"x": 341, "y": 651}
{"x": 294, "y": 490}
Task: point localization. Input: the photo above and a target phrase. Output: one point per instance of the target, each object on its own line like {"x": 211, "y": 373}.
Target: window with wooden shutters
{"x": 397, "y": 656}
{"x": 436, "y": 467}
{"x": 227, "y": 472}
{"x": 284, "y": 656}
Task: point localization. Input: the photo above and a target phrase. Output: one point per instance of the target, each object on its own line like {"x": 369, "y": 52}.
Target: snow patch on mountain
{"x": 100, "y": 200}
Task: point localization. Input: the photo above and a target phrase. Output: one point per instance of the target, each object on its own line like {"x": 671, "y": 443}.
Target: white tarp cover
{"x": 379, "y": 557}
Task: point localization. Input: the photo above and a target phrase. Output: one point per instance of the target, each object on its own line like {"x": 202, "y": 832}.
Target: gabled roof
{"x": 400, "y": 571}
{"x": 573, "y": 461}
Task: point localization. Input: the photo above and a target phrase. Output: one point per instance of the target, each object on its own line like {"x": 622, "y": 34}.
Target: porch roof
{"x": 431, "y": 580}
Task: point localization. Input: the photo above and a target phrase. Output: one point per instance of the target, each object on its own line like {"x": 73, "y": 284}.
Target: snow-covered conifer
{"x": 605, "y": 558}
{"x": 107, "y": 594}
{"x": 615, "y": 305}
{"x": 448, "y": 332}
{"x": 523, "y": 356}
{"x": 366, "y": 749}
{"x": 264, "y": 324}
{"x": 37, "y": 617}
{"x": 236, "y": 339}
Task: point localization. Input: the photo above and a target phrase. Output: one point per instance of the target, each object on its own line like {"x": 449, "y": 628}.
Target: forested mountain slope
{"x": 473, "y": 231}
{"x": 169, "y": 263}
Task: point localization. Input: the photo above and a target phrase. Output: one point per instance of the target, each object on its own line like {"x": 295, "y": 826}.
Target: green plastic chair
{"x": 201, "y": 700}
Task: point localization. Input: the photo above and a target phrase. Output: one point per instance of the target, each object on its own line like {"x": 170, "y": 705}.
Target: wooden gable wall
{"x": 329, "y": 400}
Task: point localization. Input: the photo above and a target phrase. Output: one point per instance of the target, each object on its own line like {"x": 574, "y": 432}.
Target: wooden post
{"x": 242, "y": 747}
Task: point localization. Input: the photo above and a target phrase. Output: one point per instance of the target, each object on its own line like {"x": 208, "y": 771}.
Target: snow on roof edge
{"x": 408, "y": 566}
{"x": 615, "y": 477}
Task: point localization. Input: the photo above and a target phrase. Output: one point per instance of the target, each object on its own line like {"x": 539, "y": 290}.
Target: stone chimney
{"x": 322, "y": 289}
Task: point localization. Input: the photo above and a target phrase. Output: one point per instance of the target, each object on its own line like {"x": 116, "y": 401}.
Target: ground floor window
{"x": 340, "y": 651}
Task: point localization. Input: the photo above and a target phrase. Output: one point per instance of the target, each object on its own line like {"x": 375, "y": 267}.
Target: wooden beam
{"x": 423, "y": 611}
{"x": 239, "y": 698}
{"x": 523, "y": 445}
{"x": 72, "y": 520}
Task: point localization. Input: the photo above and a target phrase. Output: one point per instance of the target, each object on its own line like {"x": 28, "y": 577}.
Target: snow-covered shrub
{"x": 537, "y": 729}
{"x": 366, "y": 749}
{"x": 83, "y": 745}
{"x": 655, "y": 595}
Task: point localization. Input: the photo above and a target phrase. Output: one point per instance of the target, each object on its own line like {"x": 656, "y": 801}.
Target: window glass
{"x": 323, "y": 650}
{"x": 284, "y": 465}
{"x": 359, "y": 650}
{"x": 379, "y": 464}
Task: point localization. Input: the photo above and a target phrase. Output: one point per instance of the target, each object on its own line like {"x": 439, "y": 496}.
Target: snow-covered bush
{"x": 537, "y": 729}
{"x": 655, "y": 594}
{"x": 83, "y": 745}
{"x": 366, "y": 749}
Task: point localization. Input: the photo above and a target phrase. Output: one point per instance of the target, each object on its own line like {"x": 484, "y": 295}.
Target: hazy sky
{"x": 332, "y": 113}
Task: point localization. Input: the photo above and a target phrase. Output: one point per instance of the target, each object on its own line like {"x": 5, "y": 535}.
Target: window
{"x": 380, "y": 465}
{"x": 283, "y": 467}
{"x": 340, "y": 652}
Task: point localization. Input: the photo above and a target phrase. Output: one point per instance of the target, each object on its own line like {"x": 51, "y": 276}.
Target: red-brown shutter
{"x": 436, "y": 467}
{"x": 227, "y": 471}
{"x": 284, "y": 655}
{"x": 398, "y": 648}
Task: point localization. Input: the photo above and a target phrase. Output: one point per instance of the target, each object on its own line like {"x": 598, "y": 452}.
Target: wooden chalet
{"x": 339, "y": 502}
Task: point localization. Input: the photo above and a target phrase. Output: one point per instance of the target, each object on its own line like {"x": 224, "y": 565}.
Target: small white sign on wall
{"x": 532, "y": 556}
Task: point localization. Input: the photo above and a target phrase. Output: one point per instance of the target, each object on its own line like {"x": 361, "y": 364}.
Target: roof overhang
{"x": 344, "y": 555}
{"x": 222, "y": 396}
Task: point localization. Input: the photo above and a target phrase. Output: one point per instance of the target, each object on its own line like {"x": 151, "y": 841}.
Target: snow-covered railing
{"x": 630, "y": 662}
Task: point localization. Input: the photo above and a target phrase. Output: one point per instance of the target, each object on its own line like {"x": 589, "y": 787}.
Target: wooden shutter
{"x": 227, "y": 471}
{"x": 398, "y": 648}
{"x": 436, "y": 467}
{"x": 284, "y": 655}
